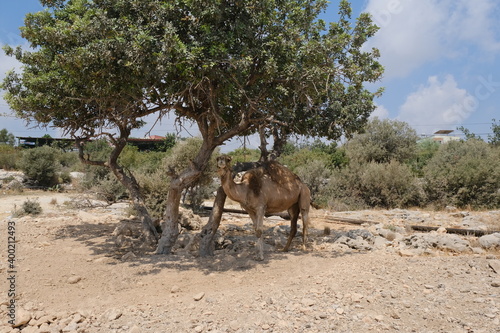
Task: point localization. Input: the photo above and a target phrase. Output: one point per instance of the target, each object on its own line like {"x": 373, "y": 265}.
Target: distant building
{"x": 443, "y": 136}
{"x": 154, "y": 142}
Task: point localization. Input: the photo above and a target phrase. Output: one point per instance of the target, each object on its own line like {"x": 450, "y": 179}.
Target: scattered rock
{"x": 495, "y": 265}
{"x": 128, "y": 256}
{"x": 188, "y": 220}
{"x": 74, "y": 279}
{"x": 490, "y": 241}
{"x": 199, "y": 296}
{"x": 434, "y": 240}
{"x": 113, "y": 314}
{"x": 22, "y": 317}
{"x": 307, "y": 302}
{"x": 71, "y": 327}
{"x": 135, "y": 329}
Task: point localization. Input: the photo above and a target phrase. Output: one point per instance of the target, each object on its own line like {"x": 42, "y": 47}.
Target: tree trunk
{"x": 177, "y": 185}
{"x": 148, "y": 229}
{"x": 170, "y": 226}
{"x": 128, "y": 181}
{"x": 207, "y": 234}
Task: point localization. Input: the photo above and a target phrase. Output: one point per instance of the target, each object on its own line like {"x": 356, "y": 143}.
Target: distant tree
{"x": 464, "y": 173}
{"x": 426, "y": 149}
{"x": 494, "y": 138}
{"x": 6, "y": 137}
{"x": 468, "y": 134}
{"x": 228, "y": 66}
{"x": 383, "y": 141}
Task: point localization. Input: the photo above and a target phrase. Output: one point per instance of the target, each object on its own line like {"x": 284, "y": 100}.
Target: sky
{"x": 441, "y": 59}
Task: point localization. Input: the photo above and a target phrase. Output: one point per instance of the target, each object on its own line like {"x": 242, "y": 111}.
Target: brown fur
{"x": 270, "y": 188}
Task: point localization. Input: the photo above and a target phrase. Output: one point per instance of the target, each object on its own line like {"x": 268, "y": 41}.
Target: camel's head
{"x": 223, "y": 161}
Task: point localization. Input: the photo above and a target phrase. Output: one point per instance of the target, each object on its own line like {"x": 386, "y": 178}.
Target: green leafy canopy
{"x": 227, "y": 65}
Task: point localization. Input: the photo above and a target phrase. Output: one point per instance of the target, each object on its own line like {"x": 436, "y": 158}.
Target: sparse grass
{"x": 29, "y": 207}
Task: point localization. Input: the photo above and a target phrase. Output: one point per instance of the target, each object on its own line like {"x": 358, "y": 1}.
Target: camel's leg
{"x": 305, "y": 224}
{"x": 258, "y": 223}
{"x": 294, "y": 214}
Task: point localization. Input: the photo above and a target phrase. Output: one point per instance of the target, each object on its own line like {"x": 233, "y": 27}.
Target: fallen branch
{"x": 467, "y": 232}
{"x": 332, "y": 219}
{"x": 284, "y": 215}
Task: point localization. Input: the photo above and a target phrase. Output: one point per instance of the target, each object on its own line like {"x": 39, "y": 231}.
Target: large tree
{"x": 229, "y": 66}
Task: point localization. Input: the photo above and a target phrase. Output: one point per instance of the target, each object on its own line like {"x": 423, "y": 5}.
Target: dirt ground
{"x": 70, "y": 276}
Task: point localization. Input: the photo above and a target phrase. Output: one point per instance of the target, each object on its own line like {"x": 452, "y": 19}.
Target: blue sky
{"x": 441, "y": 58}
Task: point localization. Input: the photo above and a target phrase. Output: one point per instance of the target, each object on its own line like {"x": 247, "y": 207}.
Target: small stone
{"x": 22, "y": 317}
{"x": 71, "y": 327}
{"x": 129, "y": 255}
{"x": 340, "y": 311}
{"x": 175, "y": 289}
{"x": 30, "y": 329}
{"x": 495, "y": 265}
{"x": 198, "y": 329}
{"x": 490, "y": 241}
{"x": 234, "y": 325}
{"x": 441, "y": 230}
{"x": 113, "y": 314}
{"x": 104, "y": 260}
{"x": 74, "y": 279}
{"x": 199, "y": 296}
{"x": 408, "y": 253}
{"x": 265, "y": 327}
{"x": 307, "y": 302}
{"x": 135, "y": 329}
{"x": 356, "y": 298}
{"x": 44, "y": 328}
{"x": 495, "y": 284}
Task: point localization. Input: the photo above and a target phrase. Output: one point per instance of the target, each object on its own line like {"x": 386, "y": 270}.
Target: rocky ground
{"x": 76, "y": 272}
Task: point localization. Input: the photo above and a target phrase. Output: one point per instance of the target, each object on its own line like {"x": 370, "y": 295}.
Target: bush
{"x": 464, "y": 173}
{"x": 383, "y": 141}
{"x": 41, "y": 165}
{"x": 29, "y": 207}
{"x": 426, "y": 149}
{"x": 9, "y": 157}
{"x": 245, "y": 155}
{"x": 315, "y": 175}
{"x": 385, "y": 185}
{"x": 303, "y": 157}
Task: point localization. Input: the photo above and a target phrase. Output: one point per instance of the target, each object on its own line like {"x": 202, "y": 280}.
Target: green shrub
{"x": 303, "y": 157}
{"x": 41, "y": 165}
{"x": 29, "y": 207}
{"x": 245, "y": 155}
{"x": 385, "y": 185}
{"x": 426, "y": 149}
{"x": 383, "y": 141}
{"x": 109, "y": 189}
{"x": 9, "y": 157}
{"x": 464, "y": 173}
{"x": 315, "y": 175}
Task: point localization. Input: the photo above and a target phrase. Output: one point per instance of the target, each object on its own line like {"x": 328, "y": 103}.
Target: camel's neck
{"x": 232, "y": 189}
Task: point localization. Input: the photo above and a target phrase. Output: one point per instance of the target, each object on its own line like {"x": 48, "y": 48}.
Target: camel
{"x": 269, "y": 188}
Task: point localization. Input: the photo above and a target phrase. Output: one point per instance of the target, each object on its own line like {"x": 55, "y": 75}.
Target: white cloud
{"x": 380, "y": 112}
{"x": 438, "y": 103}
{"x": 7, "y": 63}
{"x": 414, "y": 32}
